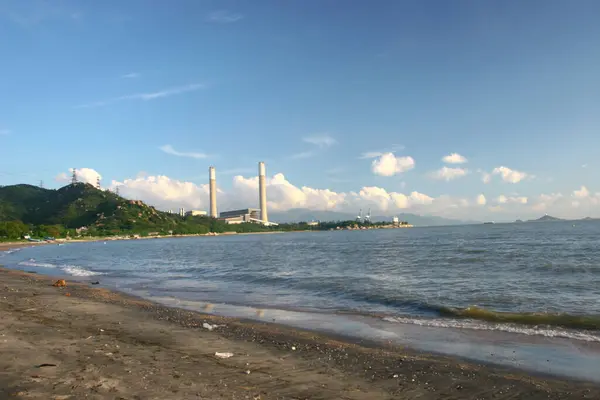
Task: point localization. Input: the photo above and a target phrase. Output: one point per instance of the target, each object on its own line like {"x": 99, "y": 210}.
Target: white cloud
{"x": 167, "y": 148}
{"x": 448, "y": 174}
{"x": 509, "y": 175}
{"x": 85, "y": 175}
{"x": 167, "y": 193}
{"x": 304, "y": 154}
{"x": 581, "y": 193}
{"x": 147, "y": 96}
{"x": 371, "y": 154}
{"x": 485, "y": 177}
{"x": 454, "y": 158}
{"x": 163, "y": 192}
{"x": 502, "y": 199}
{"x": 224, "y": 17}
{"x": 320, "y": 140}
{"x": 388, "y": 164}
{"x": 131, "y": 75}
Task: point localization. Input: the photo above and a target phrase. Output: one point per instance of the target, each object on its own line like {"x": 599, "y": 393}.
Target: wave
{"x": 504, "y": 327}
{"x": 9, "y": 251}
{"x": 588, "y": 322}
{"x": 73, "y": 270}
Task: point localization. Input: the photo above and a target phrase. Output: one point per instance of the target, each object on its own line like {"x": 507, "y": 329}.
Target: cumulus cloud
{"x": 388, "y": 165}
{"x": 509, "y": 175}
{"x": 485, "y": 177}
{"x": 167, "y": 193}
{"x": 167, "y": 148}
{"x": 85, "y": 175}
{"x": 454, "y": 158}
{"x": 448, "y": 174}
{"x": 502, "y": 199}
{"x": 583, "y": 192}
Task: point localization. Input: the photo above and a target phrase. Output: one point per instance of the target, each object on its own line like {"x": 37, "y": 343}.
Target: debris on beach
{"x": 45, "y": 365}
{"x": 208, "y": 326}
{"x": 95, "y": 283}
{"x": 223, "y": 355}
{"x": 68, "y": 294}
{"x": 60, "y": 283}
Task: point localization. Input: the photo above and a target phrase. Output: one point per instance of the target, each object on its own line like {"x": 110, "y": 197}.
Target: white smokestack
{"x": 213, "y": 191}
{"x": 262, "y": 190}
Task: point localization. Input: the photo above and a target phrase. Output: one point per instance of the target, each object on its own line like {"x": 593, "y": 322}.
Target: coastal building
{"x": 240, "y": 216}
{"x": 195, "y": 213}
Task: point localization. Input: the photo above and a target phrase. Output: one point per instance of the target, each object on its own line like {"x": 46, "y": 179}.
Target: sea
{"x": 525, "y": 294}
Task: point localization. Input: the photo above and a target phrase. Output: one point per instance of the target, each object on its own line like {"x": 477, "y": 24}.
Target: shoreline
{"x": 106, "y": 344}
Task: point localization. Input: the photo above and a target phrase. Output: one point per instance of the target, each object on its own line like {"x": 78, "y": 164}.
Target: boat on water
{"x": 489, "y": 223}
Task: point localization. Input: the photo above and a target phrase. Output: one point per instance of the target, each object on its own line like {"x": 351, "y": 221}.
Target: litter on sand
{"x": 223, "y": 355}
{"x": 209, "y": 326}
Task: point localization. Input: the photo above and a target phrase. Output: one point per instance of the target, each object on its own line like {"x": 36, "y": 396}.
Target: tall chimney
{"x": 213, "y": 192}
{"x": 262, "y": 188}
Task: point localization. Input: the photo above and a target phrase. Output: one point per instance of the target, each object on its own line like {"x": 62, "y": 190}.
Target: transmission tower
{"x": 42, "y": 184}
{"x": 98, "y": 183}
{"x": 117, "y": 190}
{"x": 74, "y": 176}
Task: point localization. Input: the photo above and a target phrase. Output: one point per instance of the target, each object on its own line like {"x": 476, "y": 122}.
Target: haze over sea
{"x": 404, "y": 277}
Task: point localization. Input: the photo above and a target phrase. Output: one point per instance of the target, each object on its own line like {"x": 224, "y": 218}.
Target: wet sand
{"x": 17, "y": 245}
{"x": 84, "y": 342}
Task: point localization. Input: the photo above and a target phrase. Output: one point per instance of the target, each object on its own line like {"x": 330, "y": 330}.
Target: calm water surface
{"x": 404, "y": 275}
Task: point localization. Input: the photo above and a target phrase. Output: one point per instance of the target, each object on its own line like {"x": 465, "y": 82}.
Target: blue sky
{"x": 307, "y": 86}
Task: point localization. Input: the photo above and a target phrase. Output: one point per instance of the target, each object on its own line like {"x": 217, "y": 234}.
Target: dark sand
{"x": 99, "y": 344}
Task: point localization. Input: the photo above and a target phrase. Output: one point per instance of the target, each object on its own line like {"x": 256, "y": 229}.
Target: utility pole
{"x": 74, "y": 176}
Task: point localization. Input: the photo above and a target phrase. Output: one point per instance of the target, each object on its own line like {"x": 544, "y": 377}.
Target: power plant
{"x": 247, "y": 214}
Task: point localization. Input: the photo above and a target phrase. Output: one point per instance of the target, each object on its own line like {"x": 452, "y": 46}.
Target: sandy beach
{"x": 84, "y": 342}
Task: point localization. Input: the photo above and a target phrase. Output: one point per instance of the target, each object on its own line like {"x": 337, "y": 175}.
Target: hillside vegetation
{"x": 81, "y": 209}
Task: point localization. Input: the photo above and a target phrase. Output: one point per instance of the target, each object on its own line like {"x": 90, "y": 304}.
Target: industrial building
{"x": 240, "y": 216}
{"x": 195, "y": 213}
{"x": 247, "y": 214}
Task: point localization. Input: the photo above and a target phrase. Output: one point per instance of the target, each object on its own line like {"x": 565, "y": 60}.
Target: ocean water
{"x": 540, "y": 280}
{"x": 494, "y": 273}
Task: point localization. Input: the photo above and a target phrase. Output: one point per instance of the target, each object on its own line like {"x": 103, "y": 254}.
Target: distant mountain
{"x": 546, "y": 218}
{"x": 306, "y": 215}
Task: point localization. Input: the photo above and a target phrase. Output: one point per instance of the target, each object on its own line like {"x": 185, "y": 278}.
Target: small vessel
{"x": 489, "y": 223}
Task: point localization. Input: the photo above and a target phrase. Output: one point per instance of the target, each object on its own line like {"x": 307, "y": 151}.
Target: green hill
{"x": 81, "y": 209}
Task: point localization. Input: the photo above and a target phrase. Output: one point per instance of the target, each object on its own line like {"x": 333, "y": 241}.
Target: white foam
{"x": 32, "y": 263}
{"x": 73, "y": 270}
{"x": 9, "y": 251}
{"x": 512, "y": 328}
